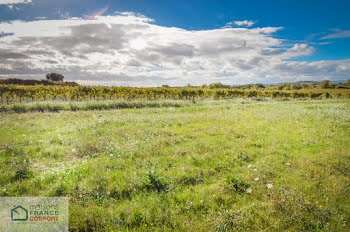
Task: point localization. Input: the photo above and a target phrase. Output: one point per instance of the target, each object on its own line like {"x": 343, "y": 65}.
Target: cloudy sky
{"x": 151, "y": 43}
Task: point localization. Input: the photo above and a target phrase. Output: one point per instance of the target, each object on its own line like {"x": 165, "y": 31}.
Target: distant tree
{"x": 54, "y": 77}
{"x": 260, "y": 86}
{"x": 218, "y": 85}
{"x": 248, "y": 86}
{"x": 325, "y": 84}
{"x": 305, "y": 86}
{"x": 296, "y": 86}
{"x": 165, "y": 86}
{"x": 345, "y": 85}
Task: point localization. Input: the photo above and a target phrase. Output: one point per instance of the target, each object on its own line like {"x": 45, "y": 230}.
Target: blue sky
{"x": 197, "y": 41}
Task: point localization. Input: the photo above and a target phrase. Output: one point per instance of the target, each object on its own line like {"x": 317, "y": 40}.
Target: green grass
{"x": 204, "y": 166}
{"x": 57, "y": 106}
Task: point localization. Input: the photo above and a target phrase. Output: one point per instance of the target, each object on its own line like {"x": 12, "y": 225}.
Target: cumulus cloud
{"x": 337, "y": 34}
{"x": 131, "y": 49}
{"x": 10, "y": 2}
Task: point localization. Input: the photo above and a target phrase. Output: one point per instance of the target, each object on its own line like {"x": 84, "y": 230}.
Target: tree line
{"x": 325, "y": 84}
{"x": 41, "y": 92}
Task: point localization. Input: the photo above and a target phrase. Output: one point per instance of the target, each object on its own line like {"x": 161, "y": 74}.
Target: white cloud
{"x": 130, "y": 49}
{"x": 324, "y": 43}
{"x": 9, "y": 2}
{"x": 248, "y": 23}
{"x": 337, "y": 34}
{"x": 244, "y": 23}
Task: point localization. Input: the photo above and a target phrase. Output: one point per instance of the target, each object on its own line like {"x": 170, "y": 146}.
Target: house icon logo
{"x": 19, "y": 213}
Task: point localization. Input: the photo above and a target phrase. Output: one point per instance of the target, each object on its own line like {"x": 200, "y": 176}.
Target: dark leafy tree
{"x": 54, "y": 77}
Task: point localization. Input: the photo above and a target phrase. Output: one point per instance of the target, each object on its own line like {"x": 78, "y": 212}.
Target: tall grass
{"x": 57, "y": 106}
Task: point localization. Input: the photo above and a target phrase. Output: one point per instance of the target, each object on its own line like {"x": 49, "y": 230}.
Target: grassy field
{"x": 225, "y": 165}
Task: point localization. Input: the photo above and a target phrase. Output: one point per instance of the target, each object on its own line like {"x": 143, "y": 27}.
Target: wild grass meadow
{"x": 184, "y": 165}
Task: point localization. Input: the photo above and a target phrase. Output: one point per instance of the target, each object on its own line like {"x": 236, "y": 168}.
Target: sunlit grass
{"x": 228, "y": 165}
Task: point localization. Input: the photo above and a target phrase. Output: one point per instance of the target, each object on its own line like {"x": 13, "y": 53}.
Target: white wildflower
{"x": 249, "y": 190}
{"x": 249, "y": 166}
{"x": 255, "y": 170}
{"x": 256, "y": 179}
{"x": 269, "y": 186}
{"x": 73, "y": 150}
{"x": 288, "y": 164}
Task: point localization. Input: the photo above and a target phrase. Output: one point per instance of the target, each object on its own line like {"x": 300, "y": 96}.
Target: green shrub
{"x": 154, "y": 182}
{"x": 22, "y": 167}
{"x": 19, "y": 108}
{"x": 237, "y": 184}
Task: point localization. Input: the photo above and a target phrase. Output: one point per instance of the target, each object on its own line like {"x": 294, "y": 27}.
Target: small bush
{"x": 19, "y": 108}
{"x": 244, "y": 157}
{"x": 154, "y": 182}
{"x": 191, "y": 179}
{"x": 61, "y": 190}
{"x": 22, "y": 170}
{"x": 236, "y": 184}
